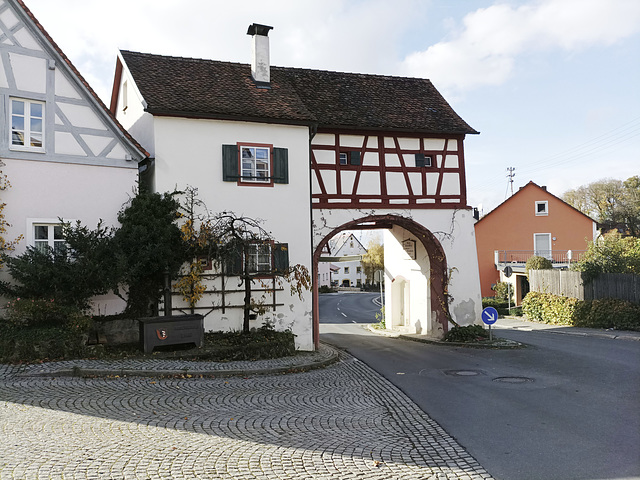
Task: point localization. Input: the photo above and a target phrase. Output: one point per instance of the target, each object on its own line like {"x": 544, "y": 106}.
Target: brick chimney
{"x": 260, "y": 66}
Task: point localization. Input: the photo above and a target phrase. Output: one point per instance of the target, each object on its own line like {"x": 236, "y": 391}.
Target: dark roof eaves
{"x": 239, "y": 118}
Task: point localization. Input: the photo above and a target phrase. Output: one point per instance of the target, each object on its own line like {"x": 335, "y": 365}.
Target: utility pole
{"x": 510, "y": 176}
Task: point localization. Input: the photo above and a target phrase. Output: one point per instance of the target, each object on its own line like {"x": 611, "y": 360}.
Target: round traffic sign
{"x": 489, "y": 315}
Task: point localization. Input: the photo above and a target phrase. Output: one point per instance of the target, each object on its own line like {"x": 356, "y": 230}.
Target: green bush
{"x": 24, "y": 312}
{"x": 468, "y": 333}
{"x": 537, "y": 263}
{"x": 610, "y": 313}
{"x": 602, "y": 313}
{"x": 29, "y": 344}
{"x": 503, "y": 292}
{"x": 326, "y": 289}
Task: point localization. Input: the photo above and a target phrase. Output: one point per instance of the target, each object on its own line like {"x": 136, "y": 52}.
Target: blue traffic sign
{"x": 489, "y": 315}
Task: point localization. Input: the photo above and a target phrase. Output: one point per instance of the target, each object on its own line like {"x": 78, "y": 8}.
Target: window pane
{"x": 36, "y": 140}
{"x": 36, "y": 110}
{"x": 42, "y": 246}
{"x": 343, "y": 159}
{"x": 57, "y": 232}
{"x": 17, "y": 138}
{"x": 36, "y": 125}
{"x": 17, "y": 123}
{"x": 262, "y": 153}
{"x": 17, "y": 107}
{"x": 59, "y": 247}
{"x": 247, "y": 153}
{"x": 41, "y": 232}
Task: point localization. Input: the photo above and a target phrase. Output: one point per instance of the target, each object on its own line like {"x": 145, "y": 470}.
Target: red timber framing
{"x": 422, "y": 187}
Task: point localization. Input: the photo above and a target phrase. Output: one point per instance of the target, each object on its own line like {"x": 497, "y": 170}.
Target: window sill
{"x": 17, "y": 148}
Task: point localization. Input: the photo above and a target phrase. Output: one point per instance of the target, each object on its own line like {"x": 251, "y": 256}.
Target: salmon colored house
{"x": 531, "y": 222}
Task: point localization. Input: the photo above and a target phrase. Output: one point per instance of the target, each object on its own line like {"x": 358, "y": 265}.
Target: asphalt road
{"x": 564, "y": 407}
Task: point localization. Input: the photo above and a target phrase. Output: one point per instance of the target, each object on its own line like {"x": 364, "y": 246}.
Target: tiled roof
{"x": 213, "y": 89}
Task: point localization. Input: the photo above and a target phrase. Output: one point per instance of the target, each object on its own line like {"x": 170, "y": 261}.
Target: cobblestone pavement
{"x": 343, "y": 421}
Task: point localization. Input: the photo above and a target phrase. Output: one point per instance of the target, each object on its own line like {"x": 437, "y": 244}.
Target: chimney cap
{"x": 257, "y": 29}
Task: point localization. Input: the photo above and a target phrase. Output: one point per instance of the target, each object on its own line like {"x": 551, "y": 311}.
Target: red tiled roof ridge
{"x": 277, "y": 67}
{"x": 80, "y": 77}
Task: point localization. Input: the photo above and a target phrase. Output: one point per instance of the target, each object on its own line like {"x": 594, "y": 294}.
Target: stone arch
{"x": 437, "y": 258}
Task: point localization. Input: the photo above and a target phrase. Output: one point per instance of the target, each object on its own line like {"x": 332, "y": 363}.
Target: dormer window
{"x": 542, "y": 208}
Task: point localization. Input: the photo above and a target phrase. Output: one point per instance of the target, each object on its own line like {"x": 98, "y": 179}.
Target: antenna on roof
{"x": 510, "y": 176}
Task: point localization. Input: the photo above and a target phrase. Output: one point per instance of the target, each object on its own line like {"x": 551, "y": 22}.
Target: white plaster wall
{"x": 189, "y": 152}
{"x": 134, "y": 119}
{"x": 48, "y": 191}
{"x": 416, "y": 297}
{"x": 453, "y": 228}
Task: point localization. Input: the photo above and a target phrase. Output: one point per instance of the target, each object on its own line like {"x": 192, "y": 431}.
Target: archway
{"x": 439, "y": 304}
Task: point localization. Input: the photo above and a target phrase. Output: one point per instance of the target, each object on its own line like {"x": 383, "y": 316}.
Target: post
{"x": 167, "y": 294}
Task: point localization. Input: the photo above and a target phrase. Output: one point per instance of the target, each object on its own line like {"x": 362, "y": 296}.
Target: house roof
{"x": 542, "y": 189}
{"x": 177, "y": 86}
{"x": 80, "y": 78}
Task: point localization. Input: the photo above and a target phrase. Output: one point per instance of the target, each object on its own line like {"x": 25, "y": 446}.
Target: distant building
{"x": 531, "y": 222}
{"x": 346, "y": 258}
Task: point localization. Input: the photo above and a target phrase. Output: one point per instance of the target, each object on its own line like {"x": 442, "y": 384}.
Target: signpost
{"x": 490, "y": 316}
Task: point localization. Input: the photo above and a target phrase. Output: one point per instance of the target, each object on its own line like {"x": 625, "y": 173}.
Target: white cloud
{"x": 486, "y": 49}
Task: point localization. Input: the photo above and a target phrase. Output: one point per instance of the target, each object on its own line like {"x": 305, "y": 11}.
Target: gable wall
{"x": 512, "y": 226}
{"x": 387, "y": 175}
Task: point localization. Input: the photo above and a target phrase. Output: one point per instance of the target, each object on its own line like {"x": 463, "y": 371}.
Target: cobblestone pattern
{"x": 344, "y": 421}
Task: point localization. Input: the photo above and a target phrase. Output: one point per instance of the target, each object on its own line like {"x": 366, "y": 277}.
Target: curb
{"x": 504, "y": 343}
{"x": 83, "y": 372}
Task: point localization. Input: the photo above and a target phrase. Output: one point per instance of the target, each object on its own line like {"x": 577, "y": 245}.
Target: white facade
{"x": 64, "y": 156}
{"x": 188, "y": 152}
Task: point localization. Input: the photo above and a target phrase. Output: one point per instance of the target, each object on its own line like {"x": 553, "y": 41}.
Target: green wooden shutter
{"x": 419, "y": 159}
{"x": 354, "y": 158}
{"x": 280, "y": 165}
{"x": 230, "y": 163}
{"x": 280, "y": 257}
{"x": 233, "y": 261}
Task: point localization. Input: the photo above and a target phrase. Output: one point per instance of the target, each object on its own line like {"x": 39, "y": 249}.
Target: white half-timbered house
{"x": 63, "y": 152}
{"x": 314, "y": 153}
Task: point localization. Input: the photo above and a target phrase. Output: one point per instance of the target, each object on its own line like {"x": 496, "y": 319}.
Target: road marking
{"x": 343, "y": 314}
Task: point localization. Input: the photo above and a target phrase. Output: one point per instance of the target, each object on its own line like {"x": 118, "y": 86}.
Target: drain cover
{"x": 463, "y": 373}
{"x": 513, "y": 379}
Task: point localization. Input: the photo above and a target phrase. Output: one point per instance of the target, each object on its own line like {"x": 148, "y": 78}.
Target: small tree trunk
{"x": 246, "y": 275}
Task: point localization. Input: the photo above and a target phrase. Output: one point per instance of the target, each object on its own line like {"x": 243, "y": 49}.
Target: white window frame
{"x": 50, "y": 223}
{"x": 260, "y": 258}
{"x": 546, "y": 208}
{"x": 343, "y": 158}
{"x": 346, "y": 270}
{"x": 249, "y": 171}
{"x": 27, "y": 119}
{"x": 536, "y": 252}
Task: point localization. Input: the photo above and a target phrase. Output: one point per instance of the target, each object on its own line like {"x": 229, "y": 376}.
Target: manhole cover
{"x": 513, "y": 379}
{"x": 463, "y": 373}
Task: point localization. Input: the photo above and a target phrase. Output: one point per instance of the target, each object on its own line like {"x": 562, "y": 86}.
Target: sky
{"x": 553, "y": 86}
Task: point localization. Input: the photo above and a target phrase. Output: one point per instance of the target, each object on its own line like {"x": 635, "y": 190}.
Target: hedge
{"x": 601, "y": 313}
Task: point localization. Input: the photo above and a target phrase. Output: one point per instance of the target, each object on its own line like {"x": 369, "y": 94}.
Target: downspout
{"x": 315, "y": 306}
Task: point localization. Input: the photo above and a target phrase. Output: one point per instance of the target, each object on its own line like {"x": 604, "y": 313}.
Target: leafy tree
{"x": 148, "y": 246}
{"x": 609, "y": 201}
{"x": 245, "y": 249}
{"x": 373, "y": 260}
{"x": 610, "y": 253}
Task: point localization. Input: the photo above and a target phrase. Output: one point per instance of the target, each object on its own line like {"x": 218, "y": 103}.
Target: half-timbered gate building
{"x": 338, "y": 151}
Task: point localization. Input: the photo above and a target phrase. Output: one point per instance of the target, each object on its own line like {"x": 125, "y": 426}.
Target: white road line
{"x": 343, "y": 314}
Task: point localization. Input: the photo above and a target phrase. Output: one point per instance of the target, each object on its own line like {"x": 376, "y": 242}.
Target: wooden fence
{"x": 570, "y": 284}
